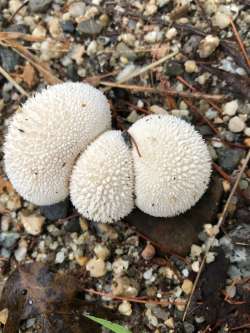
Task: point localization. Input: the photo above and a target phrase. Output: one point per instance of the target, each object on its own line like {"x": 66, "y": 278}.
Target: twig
{"x": 247, "y": 325}
{"x": 221, "y": 172}
{"x": 133, "y": 299}
{"x": 171, "y": 92}
{"x": 216, "y": 107}
{"x": 18, "y": 10}
{"x": 12, "y": 81}
{"x": 21, "y": 50}
{"x": 13, "y": 35}
{"x": 242, "y": 47}
{"x": 219, "y": 224}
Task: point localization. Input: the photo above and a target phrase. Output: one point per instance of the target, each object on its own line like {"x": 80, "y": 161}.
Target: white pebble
{"x": 125, "y": 308}
{"x": 230, "y": 108}
{"x": 195, "y": 266}
{"x": 210, "y": 257}
{"x": 221, "y": 20}
{"x": 196, "y": 250}
{"x": 153, "y": 36}
{"x": 32, "y": 223}
{"x": 187, "y": 286}
{"x": 92, "y": 48}
{"x": 60, "y": 257}
{"x": 101, "y": 251}
{"x": 171, "y": 33}
{"x": 236, "y": 125}
{"x": 190, "y": 66}
{"x": 96, "y": 267}
{"x": 77, "y": 9}
{"x": 208, "y": 45}
{"x": 247, "y": 131}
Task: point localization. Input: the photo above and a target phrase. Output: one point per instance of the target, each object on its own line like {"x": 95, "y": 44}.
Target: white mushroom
{"x": 174, "y": 168}
{"x": 45, "y": 138}
{"x": 102, "y": 181}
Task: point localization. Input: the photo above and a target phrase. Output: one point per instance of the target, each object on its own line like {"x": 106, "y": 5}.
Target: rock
{"x": 55, "y": 28}
{"x": 187, "y": 286}
{"x": 72, "y": 73}
{"x": 123, "y": 50}
{"x": 39, "y": 31}
{"x": 68, "y": 26}
{"x": 195, "y": 266}
{"x": 39, "y": 6}
{"x": 5, "y": 223}
{"x": 208, "y": 45}
{"x": 60, "y": 257}
{"x": 92, "y": 48}
{"x": 72, "y": 225}
{"x": 21, "y": 251}
{"x": 191, "y": 45}
{"x": 173, "y": 68}
{"x": 153, "y": 37}
{"x": 229, "y": 158}
{"x": 101, "y": 251}
{"x": 171, "y": 33}
{"x": 169, "y": 322}
{"x": 247, "y": 131}
{"x": 56, "y": 211}
{"x": 148, "y": 252}
{"x": 124, "y": 286}
{"x": 180, "y": 304}
{"x": 8, "y": 239}
{"x": 236, "y": 125}
{"x": 89, "y": 27}
{"x": 96, "y": 267}
{"x": 32, "y": 223}
{"x": 188, "y": 327}
{"x": 9, "y": 59}
{"x": 106, "y": 231}
{"x": 196, "y": 250}
{"x": 77, "y": 9}
{"x": 120, "y": 266}
{"x": 221, "y": 20}
{"x": 150, "y": 9}
{"x": 125, "y": 308}
{"x": 190, "y": 66}
{"x": 177, "y": 234}
{"x": 4, "y": 316}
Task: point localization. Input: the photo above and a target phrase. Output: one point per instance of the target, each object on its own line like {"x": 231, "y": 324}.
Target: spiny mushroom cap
{"x": 102, "y": 181}
{"x": 45, "y": 138}
{"x": 174, "y": 168}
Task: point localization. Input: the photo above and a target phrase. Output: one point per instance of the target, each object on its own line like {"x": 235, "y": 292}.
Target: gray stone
{"x": 9, "y": 59}
{"x": 8, "y": 239}
{"x": 123, "y": 50}
{"x": 188, "y": 328}
{"x": 39, "y": 6}
{"x": 89, "y": 27}
{"x": 229, "y": 158}
{"x": 56, "y": 211}
{"x": 173, "y": 68}
{"x": 68, "y": 26}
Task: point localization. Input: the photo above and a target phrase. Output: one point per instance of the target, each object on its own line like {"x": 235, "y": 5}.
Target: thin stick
{"x": 219, "y": 224}
{"x": 242, "y": 47}
{"x": 164, "y": 92}
{"x": 132, "y": 299}
{"x": 18, "y": 9}
{"x": 144, "y": 69}
{"x": 12, "y": 81}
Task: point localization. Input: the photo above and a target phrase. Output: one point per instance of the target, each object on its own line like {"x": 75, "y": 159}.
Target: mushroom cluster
{"x": 61, "y": 143}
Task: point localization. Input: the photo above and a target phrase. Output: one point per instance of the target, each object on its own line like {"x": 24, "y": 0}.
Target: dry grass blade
{"x": 145, "y": 69}
{"x": 242, "y": 47}
{"x": 11, "y": 80}
{"x": 170, "y": 92}
{"x": 9, "y": 35}
{"x": 18, "y": 9}
{"x": 219, "y": 224}
{"x": 133, "y": 299}
{"x": 44, "y": 70}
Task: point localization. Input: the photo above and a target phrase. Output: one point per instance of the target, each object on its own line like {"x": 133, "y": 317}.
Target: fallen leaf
{"x": 175, "y": 235}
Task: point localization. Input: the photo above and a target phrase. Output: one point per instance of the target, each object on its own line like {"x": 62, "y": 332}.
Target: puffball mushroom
{"x": 102, "y": 180}
{"x": 172, "y": 168}
{"x": 45, "y": 138}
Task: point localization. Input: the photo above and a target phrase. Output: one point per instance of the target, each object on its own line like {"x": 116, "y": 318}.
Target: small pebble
{"x": 236, "y": 125}
{"x": 21, "y": 251}
{"x": 195, "y": 266}
{"x": 33, "y": 223}
{"x": 77, "y": 9}
{"x": 171, "y": 33}
{"x": 39, "y": 6}
{"x": 196, "y": 250}
{"x": 153, "y": 36}
{"x": 208, "y": 45}
{"x": 180, "y": 304}
{"x": 101, "y": 251}
{"x": 190, "y": 66}
{"x": 210, "y": 257}
{"x": 231, "y": 291}
{"x": 96, "y": 267}
{"x": 169, "y": 322}
{"x": 221, "y": 20}
{"x": 60, "y": 257}
{"x": 4, "y": 316}
{"x": 247, "y": 131}
{"x": 187, "y": 286}
{"x": 230, "y": 108}
{"x": 125, "y": 308}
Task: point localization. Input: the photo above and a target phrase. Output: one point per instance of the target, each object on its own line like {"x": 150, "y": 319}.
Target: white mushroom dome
{"x": 48, "y": 134}
{"x": 102, "y": 181}
{"x": 174, "y": 168}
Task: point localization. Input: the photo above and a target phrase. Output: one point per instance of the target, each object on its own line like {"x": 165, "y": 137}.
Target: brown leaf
{"x": 177, "y": 234}
{"x": 29, "y": 75}
{"x": 35, "y": 290}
